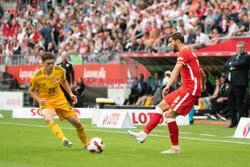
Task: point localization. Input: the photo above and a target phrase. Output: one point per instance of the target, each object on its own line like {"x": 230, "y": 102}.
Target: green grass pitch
{"x": 29, "y": 143}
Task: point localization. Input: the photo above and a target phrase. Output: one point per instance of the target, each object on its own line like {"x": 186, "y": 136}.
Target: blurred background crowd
{"x": 98, "y": 26}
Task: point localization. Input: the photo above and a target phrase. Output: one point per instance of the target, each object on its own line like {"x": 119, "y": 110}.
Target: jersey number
{"x": 52, "y": 90}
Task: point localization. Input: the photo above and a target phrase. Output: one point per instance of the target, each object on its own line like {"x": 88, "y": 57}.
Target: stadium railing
{"x": 164, "y": 48}
{"x": 77, "y": 59}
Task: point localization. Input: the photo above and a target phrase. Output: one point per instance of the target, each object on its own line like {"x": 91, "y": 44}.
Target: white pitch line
{"x": 207, "y": 135}
{"x": 109, "y": 131}
{"x": 186, "y": 133}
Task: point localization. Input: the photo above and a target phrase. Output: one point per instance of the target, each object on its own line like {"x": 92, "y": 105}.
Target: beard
{"x": 175, "y": 49}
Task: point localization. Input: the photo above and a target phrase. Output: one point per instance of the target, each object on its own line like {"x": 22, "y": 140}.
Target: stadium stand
{"x": 116, "y": 26}
{"x": 102, "y": 32}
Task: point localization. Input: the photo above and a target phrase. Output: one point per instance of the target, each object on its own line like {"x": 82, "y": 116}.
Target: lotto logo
{"x": 246, "y": 129}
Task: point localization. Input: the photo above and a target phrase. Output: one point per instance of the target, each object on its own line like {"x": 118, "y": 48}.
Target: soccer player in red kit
{"x": 181, "y": 101}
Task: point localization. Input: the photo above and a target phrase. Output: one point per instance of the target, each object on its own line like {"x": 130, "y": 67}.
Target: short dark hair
{"x": 47, "y": 55}
{"x": 176, "y": 36}
{"x": 241, "y": 42}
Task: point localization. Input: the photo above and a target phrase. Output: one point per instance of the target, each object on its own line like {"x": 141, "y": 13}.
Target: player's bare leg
{"x": 154, "y": 120}
{"x": 48, "y": 116}
{"x": 173, "y": 132}
{"x": 74, "y": 120}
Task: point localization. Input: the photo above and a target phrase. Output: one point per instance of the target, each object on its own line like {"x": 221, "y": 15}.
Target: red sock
{"x": 154, "y": 120}
{"x": 173, "y": 132}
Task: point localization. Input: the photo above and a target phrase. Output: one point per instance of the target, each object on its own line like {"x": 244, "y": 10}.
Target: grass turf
{"x": 28, "y": 143}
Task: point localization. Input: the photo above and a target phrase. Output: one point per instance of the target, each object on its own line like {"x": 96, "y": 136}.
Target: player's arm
{"x": 65, "y": 85}
{"x": 33, "y": 93}
{"x": 203, "y": 80}
{"x": 173, "y": 78}
{"x": 32, "y": 90}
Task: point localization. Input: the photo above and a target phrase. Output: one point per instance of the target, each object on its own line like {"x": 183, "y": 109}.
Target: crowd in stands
{"x": 216, "y": 103}
{"x": 100, "y": 26}
{"x": 149, "y": 92}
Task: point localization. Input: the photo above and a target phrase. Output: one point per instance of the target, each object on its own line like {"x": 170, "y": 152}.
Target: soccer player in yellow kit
{"x": 52, "y": 100}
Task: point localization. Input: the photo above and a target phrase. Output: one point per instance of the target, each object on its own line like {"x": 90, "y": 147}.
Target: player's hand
{"x": 73, "y": 97}
{"x": 165, "y": 91}
{"x": 42, "y": 102}
{"x": 203, "y": 88}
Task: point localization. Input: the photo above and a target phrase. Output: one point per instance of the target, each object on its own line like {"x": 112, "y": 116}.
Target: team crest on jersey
{"x": 57, "y": 80}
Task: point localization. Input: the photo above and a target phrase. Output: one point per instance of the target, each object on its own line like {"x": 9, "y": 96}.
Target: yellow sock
{"x": 200, "y": 104}
{"x": 56, "y": 130}
{"x": 82, "y": 136}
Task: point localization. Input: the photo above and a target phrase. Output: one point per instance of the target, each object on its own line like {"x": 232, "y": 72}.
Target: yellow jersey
{"x": 49, "y": 87}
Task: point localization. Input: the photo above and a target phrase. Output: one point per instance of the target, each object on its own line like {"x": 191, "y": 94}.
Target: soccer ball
{"x": 95, "y": 145}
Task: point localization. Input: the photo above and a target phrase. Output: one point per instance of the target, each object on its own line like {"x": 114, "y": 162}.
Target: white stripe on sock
{"x": 158, "y": 110}
{"x": 170, "y": 120}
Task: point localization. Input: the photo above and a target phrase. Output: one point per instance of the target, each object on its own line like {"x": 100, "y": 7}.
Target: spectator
{"x": 232, "y": 28}
{"x": 39, "y": 10}
{"x": 244, "y": 10}
{"x": 223, "y": 24}
{"x": 119, "y": 47}
{"x": 47, "y": 35}
{"x": 183, "y": 26}
{"x": 79, "y": 92}
{"x": 56, "y": 33}
{"x": 141, "y": 45}
{"x": 16, "y": 49}
{"x": 238, "y": 67}
{"x": 243, "y": 26}
{"x": 213, "y": 25}
{"x": 145, "y": 90}
{"x": 155, "y": 96}
{"x": 205, "y": 103}
{"x": 1, "y": 11}
{"x": 215, "y": 37}
{"x": 39, "y": 57}
{"x": 166, "y": 78}
{"x": 134, "y": 44}
{"x": 44, "y": 6}
{"x": 133, "y": 96}
{"x": 220, "y": 102}
{"x": 51, "y": 48}
{"x": 209, "y": 16}
{"x": 191, "y": 37}
{"x": 183, "y": 16}
{"x": 201, "y": 39}
{"x": 157, "y": 90}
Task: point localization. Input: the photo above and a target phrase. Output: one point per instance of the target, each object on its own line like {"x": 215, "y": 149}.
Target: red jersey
{"x": 190, "y": 72}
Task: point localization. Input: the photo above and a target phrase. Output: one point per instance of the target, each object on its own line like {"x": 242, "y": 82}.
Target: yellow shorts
{"x": 63, "y": 111}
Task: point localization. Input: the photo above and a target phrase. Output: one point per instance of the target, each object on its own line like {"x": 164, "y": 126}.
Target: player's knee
{"x": 77, "y": 123}
{"x": 163, "y": 105}
{"x": 171, "y": 114}
{"x": 48, "y": 120}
